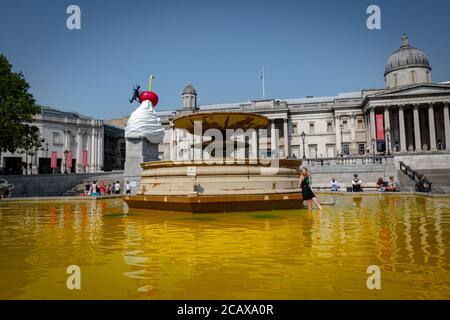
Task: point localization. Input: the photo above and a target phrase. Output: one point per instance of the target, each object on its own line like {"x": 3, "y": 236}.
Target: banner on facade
{"x": 69, "y": 160}
{"x": 379, "y": 119}
{"x": 54, "y": 160}
{"x": 85, "y": 158}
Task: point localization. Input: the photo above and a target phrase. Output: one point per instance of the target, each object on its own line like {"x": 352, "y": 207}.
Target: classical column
{"x": 401, "y": 124}
{"x": 273, "y": 140}
{"x": 387, "y": 125}
{"x": 254, "y": 145}
{"x": 171, "y": 141}
{"x": 177, "y": 144}
{"x": 373, "y": 125}
{"x": 286, "y": 138}
{"x": 191, "y": 147}
{"x": 100, "y": 148}
{"x": 432, "y": 128}
{"x": 337, "y": 129}
{"x": 93, "y": 151}
{"x": 447, "y": 127}
{"x": 66, "y": 147}
{"x": 418, "y": 144}
{"x": 353, "y": 133}
{"x": 79, "y": 167}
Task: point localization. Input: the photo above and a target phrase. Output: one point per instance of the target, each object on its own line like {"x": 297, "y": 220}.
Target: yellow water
{"x": 127, "y": 254}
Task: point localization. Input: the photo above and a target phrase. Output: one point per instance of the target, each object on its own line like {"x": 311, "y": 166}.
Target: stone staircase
{"x": 439, "y": 178}
{"x": 406, "y": 184}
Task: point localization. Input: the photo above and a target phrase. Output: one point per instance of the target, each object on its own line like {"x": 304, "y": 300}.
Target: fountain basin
{"x": 208, "y": 186}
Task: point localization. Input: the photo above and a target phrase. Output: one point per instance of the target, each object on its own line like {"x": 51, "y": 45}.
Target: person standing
{"x": 128, "y": 187}
{"x": 308, "y": 195}
{"x": 102, "y": 188}
{"x": 117, "y": 187}
{"x": 94, "y": 188}
{"x": 108, "y": 189}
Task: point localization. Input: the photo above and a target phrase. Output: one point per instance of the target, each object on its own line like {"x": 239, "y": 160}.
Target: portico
{"x": 417, "y": 118}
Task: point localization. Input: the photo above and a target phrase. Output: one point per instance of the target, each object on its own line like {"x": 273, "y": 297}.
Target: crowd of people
{"x": 101, "y": 189}
{"x": 391, "y": 185}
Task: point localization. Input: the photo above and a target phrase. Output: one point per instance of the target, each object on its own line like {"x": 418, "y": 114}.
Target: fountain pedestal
{"x": 138, "y": 151}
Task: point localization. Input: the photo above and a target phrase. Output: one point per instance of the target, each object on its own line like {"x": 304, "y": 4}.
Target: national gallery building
{"x": 410, "y": 116}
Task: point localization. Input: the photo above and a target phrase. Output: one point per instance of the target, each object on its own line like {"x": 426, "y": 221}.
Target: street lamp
{"x": 373, "y": 146}
{"x": 388, "y": 140}
{"x": 303, "y": 135}
{"x": 65, "y": 160}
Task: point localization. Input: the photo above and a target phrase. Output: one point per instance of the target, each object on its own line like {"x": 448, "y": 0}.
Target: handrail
{"x": 413, "y": 174}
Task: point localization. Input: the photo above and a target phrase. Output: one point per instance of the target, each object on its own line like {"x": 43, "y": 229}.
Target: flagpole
{"x": 263, "y": 83}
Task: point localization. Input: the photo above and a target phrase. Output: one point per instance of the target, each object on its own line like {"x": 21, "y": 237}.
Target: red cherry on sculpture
{"x": 149, "y": 95}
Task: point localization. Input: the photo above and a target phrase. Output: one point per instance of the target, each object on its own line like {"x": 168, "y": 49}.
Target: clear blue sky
{"x": 314, "y": 48}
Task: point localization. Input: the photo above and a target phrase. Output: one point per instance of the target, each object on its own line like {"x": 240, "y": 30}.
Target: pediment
{"x": 419, "y": 90}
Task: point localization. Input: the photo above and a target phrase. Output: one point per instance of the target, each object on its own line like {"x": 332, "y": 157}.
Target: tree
{"x": 17, "y": 108}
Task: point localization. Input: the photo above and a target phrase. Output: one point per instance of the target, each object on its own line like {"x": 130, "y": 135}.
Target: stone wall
{"x": 424, "y": 161}
{"x": 343, "y": 173}
{"x": 55, "y": 185}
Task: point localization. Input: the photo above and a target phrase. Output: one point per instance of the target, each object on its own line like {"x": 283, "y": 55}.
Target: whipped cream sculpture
{"x": 143, "y": 122}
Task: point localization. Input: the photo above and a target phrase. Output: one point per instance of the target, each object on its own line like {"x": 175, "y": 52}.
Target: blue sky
{"x": 316, "y": 48}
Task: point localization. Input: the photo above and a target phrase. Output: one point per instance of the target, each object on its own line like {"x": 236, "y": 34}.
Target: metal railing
{"x": 421, "y": 182}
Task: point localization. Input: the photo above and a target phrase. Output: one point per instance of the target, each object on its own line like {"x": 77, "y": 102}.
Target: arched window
{"x": 428, "y": 76}
{"x": 395, "y": 79}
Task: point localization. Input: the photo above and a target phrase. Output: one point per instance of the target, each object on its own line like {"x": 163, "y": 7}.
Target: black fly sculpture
{"x": 136, "y": 93}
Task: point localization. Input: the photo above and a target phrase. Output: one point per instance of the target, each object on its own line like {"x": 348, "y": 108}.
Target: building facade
{"x": 409, "y": 116}
{"x": 75, "y": 142}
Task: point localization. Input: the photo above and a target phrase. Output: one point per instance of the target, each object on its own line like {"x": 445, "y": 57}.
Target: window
{"x": 428, "y": 76}
{"x": 413, "y": 76}
{"x": 345, "y": 125}
{"x": 346, "y": 149}
{"x": 57, "y": 139}
{"x": 311, "y": 128}
{"x": 360, "y": 124}
{"x": 312, "y": 151}
{"x": 361, "y": 148}
{"x": 395, "y": 79}
{"x": 294, "y": 128}
{"x": 329, "y": 127}
{"x": 330, "y": 150}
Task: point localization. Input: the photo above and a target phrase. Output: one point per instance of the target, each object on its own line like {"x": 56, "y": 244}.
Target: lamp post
{"x": 373, "y": 146}
{"x": 65, "y": 161}
{"x": 303, "y": 135}
{"x": 388, "y": 140}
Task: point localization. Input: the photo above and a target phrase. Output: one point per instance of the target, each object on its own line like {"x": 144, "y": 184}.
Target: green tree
{"x": 17, "y": 108}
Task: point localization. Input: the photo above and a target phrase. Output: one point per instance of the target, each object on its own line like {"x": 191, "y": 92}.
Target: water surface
{"x": 133, "y": 254}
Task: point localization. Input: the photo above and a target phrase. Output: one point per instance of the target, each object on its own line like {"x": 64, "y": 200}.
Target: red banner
{"x": 54, "y": 160}
{"x": 69, "y": 159}
{"x": 379, "y": 119}
{"x": 85, "y": 158}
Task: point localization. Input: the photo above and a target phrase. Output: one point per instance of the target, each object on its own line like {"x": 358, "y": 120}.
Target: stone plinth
{"x": 137, "y": 152}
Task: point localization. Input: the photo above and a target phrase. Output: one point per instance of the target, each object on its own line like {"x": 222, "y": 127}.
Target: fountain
{"x": 223, "y": 175}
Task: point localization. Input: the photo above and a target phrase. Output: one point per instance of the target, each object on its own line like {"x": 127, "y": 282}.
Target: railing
{"x": 422, "y": 183}
{"x": 346, "y": 161}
